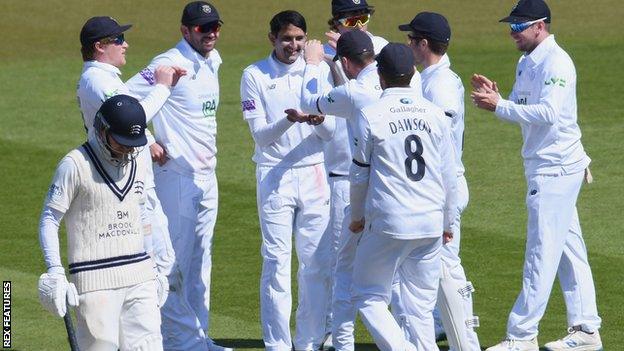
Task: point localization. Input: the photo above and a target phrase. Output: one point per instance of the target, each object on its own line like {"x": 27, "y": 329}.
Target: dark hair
{"x": 286, "y": 18}
{"x": 362, "y": 59}
{"x": 396, "y": 81}
{"x": 437, "y": 47}
{"x": 88, "y": 52}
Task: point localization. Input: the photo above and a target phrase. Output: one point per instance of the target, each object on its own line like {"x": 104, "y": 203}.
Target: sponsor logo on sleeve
{"x": 330, "y": 99}
{"x": 148, "y": 76}
{"x": 556, "y": 81}
{"x": 54, "y": 192}
{"x": 248, "y": 105}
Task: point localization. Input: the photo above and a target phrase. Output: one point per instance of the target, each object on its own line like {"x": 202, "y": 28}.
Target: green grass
{"x": 40, "y": 122}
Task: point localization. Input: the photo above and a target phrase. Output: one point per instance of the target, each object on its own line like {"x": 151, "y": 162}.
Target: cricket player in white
{"x": 429, "y": 36}
{"x": 98, "y": 189}
{"x": 357, "y": 55}
{"x": 543, "y": 102}
{"x": 403, "y": 198}
{"x": 292, "y": 190}
{"x": 103, "y": 49}
{"x": 185, "y": 129}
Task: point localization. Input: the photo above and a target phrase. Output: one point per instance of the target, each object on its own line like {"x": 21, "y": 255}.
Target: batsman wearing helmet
{"x": 98, "y": 189}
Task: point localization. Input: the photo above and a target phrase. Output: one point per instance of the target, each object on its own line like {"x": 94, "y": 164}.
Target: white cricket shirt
{"x": 404, "y": 167}
{"x": 268, "y": 87}
{"x": 186, "y": 125}
{"x": 444, "y": 88}
{"x": 543, "y": 102}
{"x": 344, "y": 101}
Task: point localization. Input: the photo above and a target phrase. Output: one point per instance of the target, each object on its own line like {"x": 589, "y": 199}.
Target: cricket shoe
{"x": 576, "y": 340}
{"x": 515, "y": 345}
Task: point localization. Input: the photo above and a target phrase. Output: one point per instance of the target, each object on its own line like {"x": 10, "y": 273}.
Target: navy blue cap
{"x": 126, "y": 120}
{"x": 100, "y": 27}
{"x": 396, "y": 60}
{"x": 430, "y": 25}
{"x": 353, "y": 43}
{"x": 198, "y": 13}
{"x": 342, "y": 6}
{"x": 528, "y": 10}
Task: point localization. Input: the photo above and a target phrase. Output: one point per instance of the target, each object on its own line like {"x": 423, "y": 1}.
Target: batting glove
{"x": 162, "y": 288}
{"x": 55, "y": 292}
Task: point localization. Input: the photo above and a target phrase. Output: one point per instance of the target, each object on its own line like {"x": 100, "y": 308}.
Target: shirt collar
{"x": 367, "y": 70}
{"x": 541, "y": 51}
{"x": 187, "y": 50}
{"x": 103, "y": 66}
{"x": 399, "y": 91}
{"x": 296, "y": 67}
{"x": 444, "y": 62}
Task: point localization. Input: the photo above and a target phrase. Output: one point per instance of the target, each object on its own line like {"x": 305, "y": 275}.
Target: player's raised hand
{"x": 296, "y": 116}
{"x": 332, "y": 38}
{"x": 159, "y": 154}
{"x": 179, "y": 73}
{"x": 487, "y": 100}
{"x": 482, "y": 83}
{"x": 357, "y": 226}
{"x": 313, "y": 53}
{"x": 164, "y": 75}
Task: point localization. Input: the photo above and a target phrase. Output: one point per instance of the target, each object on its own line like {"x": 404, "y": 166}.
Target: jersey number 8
{"x": 414, "y": 155}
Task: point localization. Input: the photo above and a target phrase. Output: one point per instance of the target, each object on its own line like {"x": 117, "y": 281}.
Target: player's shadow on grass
{"x": 259, "y": 344}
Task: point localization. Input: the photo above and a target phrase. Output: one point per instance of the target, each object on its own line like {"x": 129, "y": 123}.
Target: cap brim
{"x": 516, "y": 19}
{"x": 405, "y": 28}
{"x": 202, "y": 21}
{"x": 137, "y": 141}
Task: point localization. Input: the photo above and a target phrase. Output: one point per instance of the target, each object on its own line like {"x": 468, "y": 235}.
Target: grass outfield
{"x": 40, "y": 122}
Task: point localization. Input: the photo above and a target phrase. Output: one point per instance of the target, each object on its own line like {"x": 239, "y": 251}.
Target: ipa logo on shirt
{"x": 209, "y": 107}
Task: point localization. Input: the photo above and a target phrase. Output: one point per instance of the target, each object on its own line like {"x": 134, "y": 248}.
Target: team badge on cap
{"x": 357, "y": 2}
{"x": 206, "y": 8}
{"x": 135, "y": 129}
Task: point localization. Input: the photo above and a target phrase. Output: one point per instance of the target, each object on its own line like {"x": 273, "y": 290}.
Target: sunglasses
{"x": 118, "y": 40}
{"x": 212, "y": 27}
{"x": 521, "y": 27}
{"x": 355, "y": 20}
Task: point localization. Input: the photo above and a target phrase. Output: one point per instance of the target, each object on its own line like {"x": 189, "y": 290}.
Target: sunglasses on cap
{"x": 521, "y": 27}
{"x": 118, "y": 40}
{"x": 354, "y": 21}
{"x": 211, "y": 27}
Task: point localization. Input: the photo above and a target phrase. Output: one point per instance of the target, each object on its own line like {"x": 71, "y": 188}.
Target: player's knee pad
{"x": 452, "y": 298}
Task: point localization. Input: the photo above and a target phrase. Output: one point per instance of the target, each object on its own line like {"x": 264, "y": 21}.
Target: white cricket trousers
{"x": 554, "y": 247}
{"x": 339, "y": 201}
{"x": 453, "y": 271}
{"x": 125, "y": 319}
{"x": 293, "y": 201}
{"x": 417, "y": 262}
{"x": 190, "y": 204}
{"x": 344, "y": 312}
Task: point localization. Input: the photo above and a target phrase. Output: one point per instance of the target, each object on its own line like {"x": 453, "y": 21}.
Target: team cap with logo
{"x": 198, "y": 13}
{"x": 100, "y": 27}
{"x": 342, "y": 6}
{"x": 528, "y": 10}
{"x": 126, "y": 120}
{"x": 430, "y": 25}
{"x": 353, "y": 43}
{"x": 396, "y": 60}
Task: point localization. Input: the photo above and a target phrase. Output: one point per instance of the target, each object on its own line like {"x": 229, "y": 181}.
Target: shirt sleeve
{"x": 251, "y": 102}
{"x": 49, "y": 224}
{"x": 556, "y": 86}
{"x": 336, "y": 102}
{"x": 264, "y": 133}
{"x": 326, "y": 130}
{"x": 64, "y": 186}
{"x": 359, "y": 172}
{"x": 449, "y": 176}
